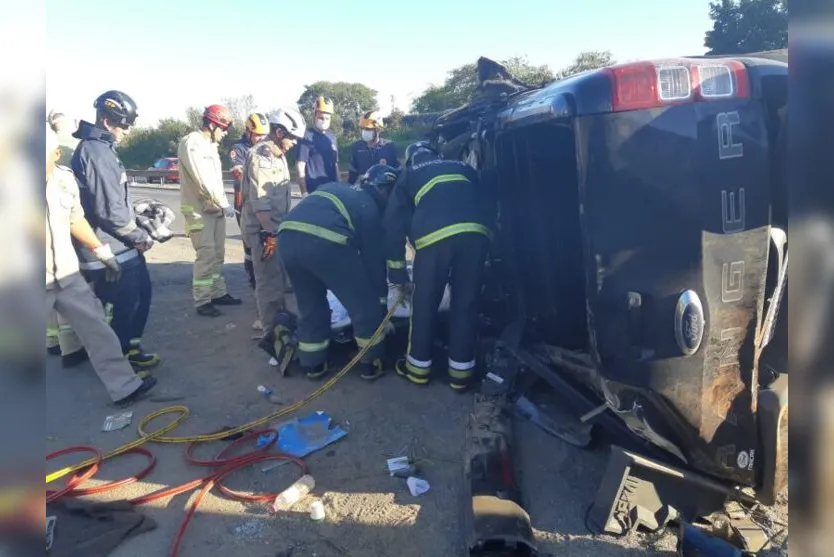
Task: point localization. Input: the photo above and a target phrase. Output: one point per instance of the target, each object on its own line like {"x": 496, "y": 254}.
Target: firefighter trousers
{"x": 130, "y": 299}
{"x": 316, "y": 265}
{"x": 459, "y": 261}
{"x": 59, "y": 333}
{"x": 77, "y": 303}
{"x": 269, "y": 280}
{"x": 208, "y": 236}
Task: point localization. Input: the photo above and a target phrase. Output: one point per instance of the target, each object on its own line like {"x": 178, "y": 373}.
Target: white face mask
{"x": 322, "y": 124}
{"x": 368, "y": 135}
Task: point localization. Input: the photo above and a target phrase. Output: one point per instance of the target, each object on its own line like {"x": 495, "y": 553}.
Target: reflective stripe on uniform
{"x": 459, "y": 373}
{"x": 314, "y": 230}
{"x": 395, "y": 264}
{"x": 452, "y": 230}
{"x": 191, "y": 227}
{"x": 426, "y": 188}
{"x": 418, "y": 371}
{"x": 339, "y": 206}
{"x": 313, "y": 346}
{"x": 126, "y": 229}
{"x": 120, "y": 258}
{"x": 51, "y": 332}
{"x": 362, "y": 342}
{"x": 203, "y": 282}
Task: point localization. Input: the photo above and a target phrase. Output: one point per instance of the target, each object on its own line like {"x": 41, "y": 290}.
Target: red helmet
{"x": 218, "y": 114}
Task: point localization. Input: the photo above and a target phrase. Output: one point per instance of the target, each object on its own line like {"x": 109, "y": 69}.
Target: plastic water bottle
{"x": 293, "y": 494}
{"x": 268, "y": 394}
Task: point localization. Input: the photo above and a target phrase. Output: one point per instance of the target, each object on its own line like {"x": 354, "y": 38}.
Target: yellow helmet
{"x": 257, "y": 124}
{"x": 323, "y": 104}
{"x": 371, "y": 120}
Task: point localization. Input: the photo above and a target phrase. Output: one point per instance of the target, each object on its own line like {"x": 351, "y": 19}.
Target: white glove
{"x": 229, "y": 212}
{"x": 103, "y": 252}
{"x": 305, "y": 194}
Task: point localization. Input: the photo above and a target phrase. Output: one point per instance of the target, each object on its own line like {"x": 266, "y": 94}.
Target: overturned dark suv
{"x": 642, "y": 251}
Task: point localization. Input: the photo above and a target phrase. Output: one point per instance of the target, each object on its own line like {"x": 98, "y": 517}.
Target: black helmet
{"x": 380, "y": 176}
{"x": 118, "y": 107}
{"x": 418, "y": 147}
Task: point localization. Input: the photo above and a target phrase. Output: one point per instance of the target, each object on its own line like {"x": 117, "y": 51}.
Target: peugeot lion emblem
{"x": 689, "y": 322}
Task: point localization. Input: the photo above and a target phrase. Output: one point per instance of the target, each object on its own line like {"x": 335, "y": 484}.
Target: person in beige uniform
{"x": 266, "y": 200}
{"x": 205, "y": 208}
{"x": 68, "y": 293}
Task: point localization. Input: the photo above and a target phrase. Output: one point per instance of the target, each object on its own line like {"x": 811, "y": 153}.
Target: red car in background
{"x": 169, "y": 164}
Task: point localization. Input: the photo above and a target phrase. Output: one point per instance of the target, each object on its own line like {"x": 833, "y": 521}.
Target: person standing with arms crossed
{"x": 205, "y": 208}
{"x": 318, "y": 151}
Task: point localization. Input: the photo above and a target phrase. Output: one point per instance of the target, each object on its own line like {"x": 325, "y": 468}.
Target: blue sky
{"x": 203, "y": 51}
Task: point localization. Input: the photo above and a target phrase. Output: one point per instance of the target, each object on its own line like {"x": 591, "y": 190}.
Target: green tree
{"x": 350, "y": 100}
{"x": 143, "y": 146}
{"x": 584, "y": 61}
{"x": 461, "y": 83}
{"x": 742, "y": 26}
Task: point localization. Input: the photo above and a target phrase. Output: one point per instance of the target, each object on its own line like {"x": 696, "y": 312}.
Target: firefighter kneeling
{"x": 334, "y": 240}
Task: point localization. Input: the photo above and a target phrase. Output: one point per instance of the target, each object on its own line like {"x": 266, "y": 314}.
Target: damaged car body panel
{"x": 635, "y": 231}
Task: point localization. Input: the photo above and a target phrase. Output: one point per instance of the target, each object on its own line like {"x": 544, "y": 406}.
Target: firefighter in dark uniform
{"x": 257, "y": 127}
{"x": 333, "y": 240}
{"x": 439, "y": 205}
{"x": 371, "y": 149}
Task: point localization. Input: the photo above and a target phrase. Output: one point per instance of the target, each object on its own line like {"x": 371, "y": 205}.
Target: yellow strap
{"x": 451, "y": 230}
{"x": 314, "y": 230}
{"x": 339, "y": 206}
{"x": 396, "y": 264}
{"x": 426, "y": 188}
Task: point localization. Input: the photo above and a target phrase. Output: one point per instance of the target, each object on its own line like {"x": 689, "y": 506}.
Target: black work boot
{"x": 138, "y": 394}
{"x": 53, "y": 350}
{"x": 75, "y": 359}
{"x": 208, "y": 310}
{"x": 371, "y": 371}
{"x": 316, "y": 372}
{"x": 402, "y": 371}
{"x": 141, "y": 360}
{"x": 226, "y": 300}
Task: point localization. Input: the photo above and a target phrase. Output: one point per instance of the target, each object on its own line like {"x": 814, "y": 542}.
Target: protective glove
{"x": 112, "y": 269}
{"x": 229, "y": 212}
{"x": 404, "y": 293}
{"x": 269, "y": 243}
{"x": 145, "y": 246}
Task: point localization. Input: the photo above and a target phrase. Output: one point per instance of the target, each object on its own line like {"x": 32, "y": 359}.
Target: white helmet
{"x": 290, "y": 119}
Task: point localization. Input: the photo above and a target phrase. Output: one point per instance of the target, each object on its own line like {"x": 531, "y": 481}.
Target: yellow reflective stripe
{"x": 418, "y": 371}
{"x": 452, "y": 230}
{"x": 51, "y": 332}
{"x": 65, "y": 328}
{"x": 203, "y": 282}
{"x": 460, "y": 373}
{"x": 187, "y": 209}
{"x": 426, "y": 188}
{"x": 194, "y": 226}
{"x": 313, "y": 346}
{"x": 314, "y": 230}
{"x": 362, "y": 342}
{"x": 339, "y": 206}
{"x": 395, "y": 264}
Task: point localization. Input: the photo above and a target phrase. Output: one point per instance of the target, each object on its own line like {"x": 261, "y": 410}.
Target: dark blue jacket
{"x": 363, "y": 156}
{"x": 346, "y": 215}
{"x": 320, "y": 152}
{"x": 104, "y": 195}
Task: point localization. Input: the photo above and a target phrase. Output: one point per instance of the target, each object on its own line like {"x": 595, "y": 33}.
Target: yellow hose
{"x": 159, "y": 435}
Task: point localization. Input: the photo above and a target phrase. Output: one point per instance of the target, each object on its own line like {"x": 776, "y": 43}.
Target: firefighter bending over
{"x": 439, "y": 206}
{"x": 333, "y": 240}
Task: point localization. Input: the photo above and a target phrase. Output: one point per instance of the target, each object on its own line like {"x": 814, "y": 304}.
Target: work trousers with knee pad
{"x": 316, "y": 265}
{"x": 208, "y": 236}
{"x": 458, "y": 260}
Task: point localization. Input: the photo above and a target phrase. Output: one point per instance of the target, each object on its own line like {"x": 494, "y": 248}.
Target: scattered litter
{"x": 273, "y": 362}
{"x": 495, "y": 378}
{"x": 269, "y": 394}
{"x": 402, "y": 467}
{"x": 417, "y": 486}
{"x": 265, "y": 439}
{"x": 293, "y": 494}
{"x": 693, "y": 542}
{"x": 303, "y": 436}
{"x": 117, "y": 421}
{"x": 50, "y": 531}
{"x": 230, "y": 326}
{"x": 317, "y": 510}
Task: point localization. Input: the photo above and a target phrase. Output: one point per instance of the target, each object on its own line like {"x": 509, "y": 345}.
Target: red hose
{"x": 226, "y": 465}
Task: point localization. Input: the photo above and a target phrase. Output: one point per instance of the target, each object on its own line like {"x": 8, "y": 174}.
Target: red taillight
{"x": 658, "y": 84}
